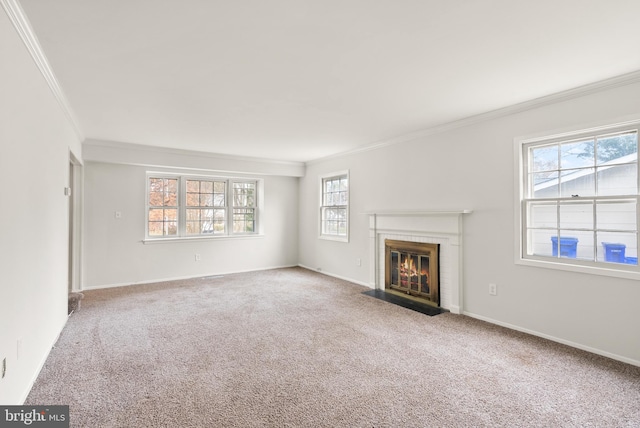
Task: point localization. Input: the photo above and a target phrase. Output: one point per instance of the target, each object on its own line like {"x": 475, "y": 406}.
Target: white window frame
{"x": 323, "y": 179}
{"x": 562, "y": 263}
{"x": 182, "y": 208}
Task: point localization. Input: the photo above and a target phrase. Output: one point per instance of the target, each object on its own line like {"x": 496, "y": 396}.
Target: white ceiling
{"x": 304, "y": 79}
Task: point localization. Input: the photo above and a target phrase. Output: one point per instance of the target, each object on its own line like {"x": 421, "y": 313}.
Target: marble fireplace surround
{"x": 435, "y": 227}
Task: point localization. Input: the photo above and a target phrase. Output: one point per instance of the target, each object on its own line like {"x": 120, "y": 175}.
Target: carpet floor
{"x": 293, "y": 348}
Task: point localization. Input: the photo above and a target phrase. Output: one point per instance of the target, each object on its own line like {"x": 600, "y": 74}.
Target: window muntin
{"x": 580, "y": 198}
{"x": 186, "y": 206}
{"x": 334, "y": 210}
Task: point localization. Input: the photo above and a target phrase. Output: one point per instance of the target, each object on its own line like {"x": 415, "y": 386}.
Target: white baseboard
{"x": 555, "y": 339}
{"x": 179, "y": 278}
{"x": 366, "y": 284}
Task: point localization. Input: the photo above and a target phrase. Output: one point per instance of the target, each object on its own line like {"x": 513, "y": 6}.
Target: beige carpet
{"x": 293, "y": 348}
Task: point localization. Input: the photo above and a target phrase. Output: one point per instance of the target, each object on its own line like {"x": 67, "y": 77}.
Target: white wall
{"x": 114, "y": 253}
{"x": 472, "y": 167}
{"x": 36, "y": 140}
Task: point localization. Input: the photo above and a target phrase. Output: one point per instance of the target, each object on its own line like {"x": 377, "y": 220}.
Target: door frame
{"x": 75, "y": 192}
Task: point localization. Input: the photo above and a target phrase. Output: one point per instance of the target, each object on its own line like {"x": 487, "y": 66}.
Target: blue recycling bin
{"x": 614, "y": 252}
{"x": 568, "y": 246}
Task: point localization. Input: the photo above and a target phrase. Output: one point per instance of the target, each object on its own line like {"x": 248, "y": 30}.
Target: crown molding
{"x": 580, "y": 91}
{"x": 23, "y": 27}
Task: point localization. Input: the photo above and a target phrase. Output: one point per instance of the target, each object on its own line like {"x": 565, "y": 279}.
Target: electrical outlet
{"x": 198, "y": 258}
{"x": 493, "y": 289}
{"x": 358, "y": 262}
{"x": 4, "y": 367}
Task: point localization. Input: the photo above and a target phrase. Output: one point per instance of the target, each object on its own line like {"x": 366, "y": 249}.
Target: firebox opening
{"x": 412, "y": 268}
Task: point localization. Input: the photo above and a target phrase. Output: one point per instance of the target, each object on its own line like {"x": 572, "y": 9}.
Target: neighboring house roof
{"x": 586, "y": 172}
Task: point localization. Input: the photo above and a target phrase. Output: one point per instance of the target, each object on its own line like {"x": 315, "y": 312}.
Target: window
{"x": 579, "y": 198}
{"x": 163, "y": 206}
{"x": 244, "y": 207}
{"x": 182, "y": 206}
{"x": 206, "y": 207}
{"x": 334, "y": 207}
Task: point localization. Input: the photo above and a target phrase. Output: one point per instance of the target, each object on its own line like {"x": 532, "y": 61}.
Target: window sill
{"x": 614, "y": 270}
{"x": 200, "y": 238}
{"x": 334, "y": 238}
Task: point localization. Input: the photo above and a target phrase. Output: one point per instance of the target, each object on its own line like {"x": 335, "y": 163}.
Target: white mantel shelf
{"x": 442, "y": 227}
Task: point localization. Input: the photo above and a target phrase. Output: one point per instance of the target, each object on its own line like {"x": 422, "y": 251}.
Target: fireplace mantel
{"x": 441, "y": 227}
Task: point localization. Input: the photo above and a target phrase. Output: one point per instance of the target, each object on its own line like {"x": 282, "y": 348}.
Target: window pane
{"x": 218, "y": 200}
{"x": 156, "y": 214}
{"x": 155, "y": 228}
{"x": 539, "y": 242}
{"x": 193, "y": 186}
{"x": 156, "y": 185}
{"x": 193, "y": 215}
{"x": 171, "y": 228}
{"x": 343, "y": 198}
{"x": 543, "y": 215}
{"x": 544, "y": 184}
{"x": 243, "y": 220}
{"x": 193, "y": 200}
{"x": 619, "y": 148}
{"x": 156, "y": 199}
{"x": 578, "y": 215}
{"x": 576, "y": 244}
{"x": 579, "y": 182}
{"x": 618, "y": 180}
{"x": 577, "y": 154}
{"x": 206, "y": 214}
{"x": 344, "y": 185}
{"x": 615, "y": 247}
{"x": 206, "y": 200}
{"x": 171, "y": 192}
{"x": 616, "y": 215}
{"x": 544, "y": 158}
{"x": 219, "y": 187}
{"x": 251, "y": 195}
{"x": 206, "y": 186}
{"x": 331, "y": 199}
{"x": 342, "y": 228}
{"x": 219, "y": 221}
{"x": 171, "y": 200}
{"x": 171, "y": 214}
{"x": 193, "y": 227}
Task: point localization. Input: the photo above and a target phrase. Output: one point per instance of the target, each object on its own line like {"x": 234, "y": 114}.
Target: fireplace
{"x": 412, "y": 268}
{"x": 443, "y": 228}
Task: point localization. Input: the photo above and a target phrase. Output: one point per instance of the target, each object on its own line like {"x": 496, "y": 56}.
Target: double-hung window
{"x": 334, "y": 207}
{"x": 206, "y": 207}
{"x": 188, "y": 206}
{"x": 162, "y": 212}
{"x": 244, "y": 207}
{"x": 579, "y": 198}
